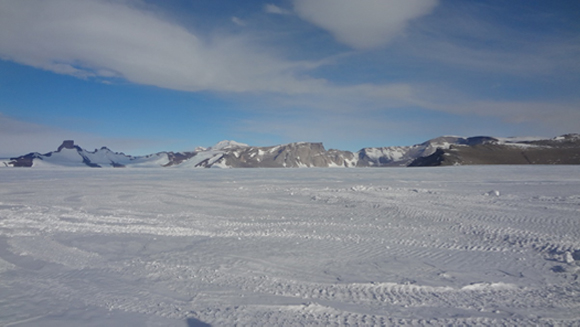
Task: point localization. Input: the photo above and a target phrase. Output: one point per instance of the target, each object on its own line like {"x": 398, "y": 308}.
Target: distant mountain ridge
{"x": 441, "y": 151}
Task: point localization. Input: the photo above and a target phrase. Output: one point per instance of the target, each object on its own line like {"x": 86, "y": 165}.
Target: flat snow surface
{"x": 493, "y": 245}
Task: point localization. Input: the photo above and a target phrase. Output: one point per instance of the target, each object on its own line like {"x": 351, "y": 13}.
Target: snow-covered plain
{"x": 489, "y": 245}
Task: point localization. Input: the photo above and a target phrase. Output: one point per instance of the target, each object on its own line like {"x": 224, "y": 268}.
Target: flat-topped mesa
{"x": 291, "y": 155}
{"x": 66, "y": 144}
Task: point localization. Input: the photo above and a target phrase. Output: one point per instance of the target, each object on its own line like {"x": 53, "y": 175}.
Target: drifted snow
{"x": 276, "y": 247}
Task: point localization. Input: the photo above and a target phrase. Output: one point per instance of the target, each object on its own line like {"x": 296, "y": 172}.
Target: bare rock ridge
{"x": 441, "y": 151}
{"x": 67, "y": 144}
{"x": 293, "y": 155}
{"x": 564, "y": 150}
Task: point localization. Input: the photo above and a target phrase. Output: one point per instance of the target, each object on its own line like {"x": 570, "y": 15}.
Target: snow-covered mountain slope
{"x": 71, "y": 155}
{"x": 292, "y": 155}
{"x": 441, "y": 151}
{"x": 230, "y": 154}
{"x": 405, "y": 155}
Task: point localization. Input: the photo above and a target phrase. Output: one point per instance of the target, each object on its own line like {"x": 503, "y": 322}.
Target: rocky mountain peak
{"x": 441, "y": 151}
{"x": 66, "y": 144}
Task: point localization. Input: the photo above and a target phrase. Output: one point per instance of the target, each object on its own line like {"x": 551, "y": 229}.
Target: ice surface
{"x": 276, "y": 247}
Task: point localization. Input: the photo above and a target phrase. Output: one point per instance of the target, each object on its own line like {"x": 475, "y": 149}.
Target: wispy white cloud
{"x": 238, "y": 21}
{"x": 98, "y": 38}
{"x": 481, "y": 37}
{"x": 273, "y": 9}
{"x": 363, "y": 24}
{"x": 538, "y": 59}
{"x": 549, "y": 117}
{"x": 104, "y": 39}
{"x": 343, "y": 131}
{"x": 362, "y": 99}
{"x": 354, "y": 130}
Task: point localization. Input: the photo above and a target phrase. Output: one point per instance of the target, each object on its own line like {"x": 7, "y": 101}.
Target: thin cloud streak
{"x": 549, "y": 117}
{"x": 553, "y": 116}
{"x": 351, "y": 130}
{"x": 273, "y": 9}
{"x": 540, "y": 58}
{"x": 238, "y": 21}
{"x": 479, "y": 37}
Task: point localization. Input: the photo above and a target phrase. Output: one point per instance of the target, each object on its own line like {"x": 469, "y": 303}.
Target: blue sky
{"x": 143, "y": 76}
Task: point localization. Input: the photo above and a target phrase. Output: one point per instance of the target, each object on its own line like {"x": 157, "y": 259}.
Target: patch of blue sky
{"x": 177, "y": 74}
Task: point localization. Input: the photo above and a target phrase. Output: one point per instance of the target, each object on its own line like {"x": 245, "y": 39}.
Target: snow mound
{"x": 489, "y": 286}
{"x": 492, "y": 193}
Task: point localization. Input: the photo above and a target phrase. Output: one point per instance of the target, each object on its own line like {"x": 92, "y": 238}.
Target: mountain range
{"x": 441, "y": 151}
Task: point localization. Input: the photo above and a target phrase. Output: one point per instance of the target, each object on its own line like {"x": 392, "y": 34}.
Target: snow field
{"x": 284, "y": 247}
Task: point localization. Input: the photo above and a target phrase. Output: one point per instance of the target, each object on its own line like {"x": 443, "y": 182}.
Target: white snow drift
{"x": 284, "y": 247}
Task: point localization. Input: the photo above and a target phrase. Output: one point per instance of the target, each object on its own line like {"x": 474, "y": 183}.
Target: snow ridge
{"x": 444, "y": 150}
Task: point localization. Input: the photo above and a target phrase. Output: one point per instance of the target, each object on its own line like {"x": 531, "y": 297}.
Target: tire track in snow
{"x": 236, "y": 263}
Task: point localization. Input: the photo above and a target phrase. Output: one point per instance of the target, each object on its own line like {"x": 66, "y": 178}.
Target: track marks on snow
{"x": 285, "y": 253}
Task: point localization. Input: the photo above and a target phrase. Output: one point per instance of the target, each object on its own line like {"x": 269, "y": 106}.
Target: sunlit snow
{"x": 489, "y": 245}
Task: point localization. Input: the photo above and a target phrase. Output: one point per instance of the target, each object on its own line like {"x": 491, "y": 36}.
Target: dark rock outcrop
{"x": 175, "y": 158}
{"x": 441, "y": 151}
{"x": 68, "y": 144}
{"x": 564, "y": 150}
{"x": 25, "y": 160}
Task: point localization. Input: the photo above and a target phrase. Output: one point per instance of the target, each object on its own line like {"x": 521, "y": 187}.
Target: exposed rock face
{"x": 24, "y": 161}
{"x": 175, "y": 158}
{"x": 402, "y": 156}
{"x": 293, "y": 155}
{"x": 560, "y": 150}
{"x": 441, "y": 151}
{"x": 434, "y": 159}
{"x": 68, "y": 144}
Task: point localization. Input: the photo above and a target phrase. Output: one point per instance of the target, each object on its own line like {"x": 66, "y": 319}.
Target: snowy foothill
{"x": 472, "y": 245}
